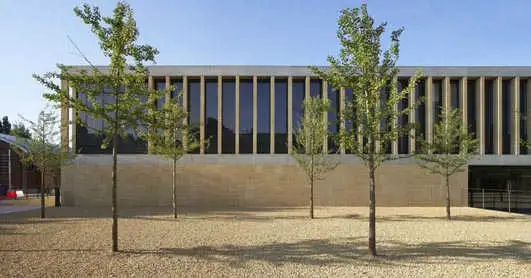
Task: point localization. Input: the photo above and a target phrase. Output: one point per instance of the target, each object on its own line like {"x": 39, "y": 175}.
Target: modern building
{"x": 248, "y": 114}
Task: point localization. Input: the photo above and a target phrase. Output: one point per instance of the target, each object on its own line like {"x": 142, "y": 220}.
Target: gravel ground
{"x": 412, "y": 242}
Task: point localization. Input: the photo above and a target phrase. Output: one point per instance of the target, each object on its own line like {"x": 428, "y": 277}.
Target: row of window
{"x": 88, "y": 141}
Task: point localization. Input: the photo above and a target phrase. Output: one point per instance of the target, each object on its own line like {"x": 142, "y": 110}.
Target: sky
{"x": 260, "y": 32}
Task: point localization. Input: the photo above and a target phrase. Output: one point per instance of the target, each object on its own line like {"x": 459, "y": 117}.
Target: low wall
{"x": 250, "y": 181}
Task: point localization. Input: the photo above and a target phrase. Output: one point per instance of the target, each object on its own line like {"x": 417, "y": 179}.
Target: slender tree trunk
{"x": 114, "y": 191}
{"x": 174, "y": 203}
{"x": 448, "y": 197}
{"x": 372, "y": 212}
{"x": 43, "y": 206}
{"x": 311, "y": 188}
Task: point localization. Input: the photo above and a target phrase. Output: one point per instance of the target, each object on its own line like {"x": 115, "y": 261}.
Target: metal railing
{"x": 500, "y": 199}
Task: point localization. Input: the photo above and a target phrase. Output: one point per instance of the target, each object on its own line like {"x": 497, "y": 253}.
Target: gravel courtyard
{"x": 412, "y": 242}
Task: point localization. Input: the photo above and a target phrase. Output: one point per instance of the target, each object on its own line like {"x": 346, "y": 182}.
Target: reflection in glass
{"x": 455, "y": 93}
{"x": 194, "y": 109}
{"x": 420, "y": 113}
{"x": 211, "y": 115}
{"x": 298, "y": 91}
{"x": 507, "y": 121}
{"x": 523, "y": 117}
{"x": 281, "y": 116}
{"x": 471, "y": 107}
{"x": 246, "y": 115}
{"x": 403, "y": 120}
{"x": 264, "y": 100}
{"x": 489, "y": 116}
{"x": 228, "y": 109}
{"x": 333, "y": 119}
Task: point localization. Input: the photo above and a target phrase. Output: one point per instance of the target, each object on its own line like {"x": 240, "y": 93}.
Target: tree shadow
{"x": 350, "y": 251}
{"x": 468, "y": 218}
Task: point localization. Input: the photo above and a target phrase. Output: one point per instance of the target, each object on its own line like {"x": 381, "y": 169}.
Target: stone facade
{"x": 273, "y": 181}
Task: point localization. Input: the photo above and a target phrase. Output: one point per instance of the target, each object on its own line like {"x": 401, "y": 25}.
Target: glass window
{"x": 194, "y": 109}
{"x": 298, "y": 92}
{"x": 523, "y": 117}
{"x": 333, "y": 119}
{"x": 246, "y": 115}
{"x": 211, "y": 115}
{"x": 316, "y": 88}
{"x": 264, "y": 100}
{"x": 506, "y": 116}
{"x": 437, "y": 101}
{"x": 403, "y": 140}
{"x": 228, "y": 109}
{"x": 489, "y": 116}
{"x": 281, "y": 116}
{"x": 160, "y": 85}
{"x": 454, "y": 93}
{"x": 420, "y": 113}
{"x": 471, "y": 107}
{"x": 348, "y": 122}
{"x": 177, "y": 89}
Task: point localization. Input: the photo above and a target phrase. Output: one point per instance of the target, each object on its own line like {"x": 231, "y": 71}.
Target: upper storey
{"x": 405, "y": 71}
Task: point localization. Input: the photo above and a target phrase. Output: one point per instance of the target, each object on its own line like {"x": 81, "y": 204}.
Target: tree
{"x": 5, "y": 125}
{"x": 122, "y": 86}
{"x": 309, "y": 150}
{"x": 19, "y": 130}
{"x": 371, "y": 73}
{"x": 451, "y": 149}
{"x": 41, "y": 150}
{"x": 171, "y": 122}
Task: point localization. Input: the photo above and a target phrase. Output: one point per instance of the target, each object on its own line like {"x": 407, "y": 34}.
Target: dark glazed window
{"x": 246, "y": 116}
{"x": 316, "y": 88}
{"x": 489, "y": 116}
{"x": 229, "y": 110}
{"x": 194, "y": 109}
{"x": 348, "y": 122}
{"x": 298, "y": 92}
{"x": 420, "y": 113}
{"x": 211, "y": 115}
{"x": 177, "y": 89}
{"x": 333, "y": 119}
{"x": 160, "y": 85}
{"x": 471, "y": 107}
{"x": 506, "y": 116}
{"x": 403, "y": 140}
{"x": 437, "y": 101}
{"x": 281, "y": 116}
{"x": 264, "y": 100}
{"x": 455, "y": 93}
{"x": 523, "y": 117}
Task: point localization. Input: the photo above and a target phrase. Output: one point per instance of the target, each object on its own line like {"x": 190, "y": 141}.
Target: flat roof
{"x": 244, "y": 70}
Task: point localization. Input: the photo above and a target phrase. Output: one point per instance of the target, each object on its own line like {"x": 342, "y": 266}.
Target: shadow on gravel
{"x": 349, "y": 251}
{"x": 470, "y": 218}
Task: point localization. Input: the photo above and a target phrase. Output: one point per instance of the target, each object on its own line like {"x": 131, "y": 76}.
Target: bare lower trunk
{"x": 114, "y": 189}
{"x": 43, "y": 207}
{"x": 174, "y": 203}
{"x": 448, "y": 198}
{"x": 311, "y": 199}
{"x": 372, "y": 213}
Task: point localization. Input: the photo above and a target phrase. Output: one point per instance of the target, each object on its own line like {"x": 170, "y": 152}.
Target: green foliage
{"x": 5, "y": 125}
{"x": 19, "y": 130}
{"x": 451, "y": 148}
{"x": 309, "y": 150}
{"x": 126, "y": 98}
{"x": 172, "y": 126}
{"x": 371, "y": 73}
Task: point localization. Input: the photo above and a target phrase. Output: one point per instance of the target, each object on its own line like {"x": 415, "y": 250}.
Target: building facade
{"x": 247, "y": 114}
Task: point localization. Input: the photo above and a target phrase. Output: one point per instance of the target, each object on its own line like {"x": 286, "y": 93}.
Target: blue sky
{"x": 260, "y": 32}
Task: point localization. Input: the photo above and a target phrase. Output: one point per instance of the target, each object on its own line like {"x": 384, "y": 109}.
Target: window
{"x": 420, "y": 113}
{"x": 211, "y": 115}
{"x": 264, "y": 100}
{"x": 437, "y": 101}
{"x": 316, "y": 87}
{"x": 523, "y": 117}
{"x": 281, "y": 116}
{"x": 489, "y": 116}
{"x": 160, "y": 85}
{"x": 246, "y": 115}
{"x": 333, "y": 118}
{"x": 471, "y": 107}
{"x": 506, "y": 116}
{"x": 229, "y": 110}
{"x": 403, "y": 140}
{"x": 177, "y": 89}
{"x": 455, "y": 93}
{"x": 348, "y": 122}
{"x": 298, "y": 92}
{"x": 194, "y": 109}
